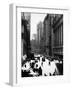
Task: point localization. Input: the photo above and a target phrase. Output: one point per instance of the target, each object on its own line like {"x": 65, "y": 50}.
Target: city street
{"x": 41, "y": 66}
{"x": 41, "y": 44}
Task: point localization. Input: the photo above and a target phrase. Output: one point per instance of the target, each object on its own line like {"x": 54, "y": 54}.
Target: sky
{"x": 35, "y": 19}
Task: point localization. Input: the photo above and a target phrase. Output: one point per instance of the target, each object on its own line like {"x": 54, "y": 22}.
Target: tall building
{"x": 39, "y": 35}
{"x": 25, "y": 33}
{"x": 34, "y": 44}
{"x": 58, "y": 35}
{"x": 47, "y": 34}
{"x": 39, "y": 31}
{"x": 53, "y": 35}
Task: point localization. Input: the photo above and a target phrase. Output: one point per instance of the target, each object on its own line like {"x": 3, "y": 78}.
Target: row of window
{"x": 58, "y": 36}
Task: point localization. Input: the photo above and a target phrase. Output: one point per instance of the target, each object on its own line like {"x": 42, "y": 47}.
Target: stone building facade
{"x": 58, "y": 35}
{"x": 47, "y": 34}
{"x": 25, "y": 33}
{"x": 53, "y": 35}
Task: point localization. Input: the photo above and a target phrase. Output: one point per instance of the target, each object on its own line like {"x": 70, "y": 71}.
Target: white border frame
{"x": 15, "y": 46}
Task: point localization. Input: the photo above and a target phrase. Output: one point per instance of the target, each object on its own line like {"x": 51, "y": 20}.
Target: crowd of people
{"x": 39, "y": 65}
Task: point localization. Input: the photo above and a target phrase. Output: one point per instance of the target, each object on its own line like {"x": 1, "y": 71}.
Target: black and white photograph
{"x": 41, "y": 44}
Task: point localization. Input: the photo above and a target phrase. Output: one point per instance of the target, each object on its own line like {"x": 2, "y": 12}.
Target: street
{"x": 41, "y": 44}
{"x": 40, "y": 65}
